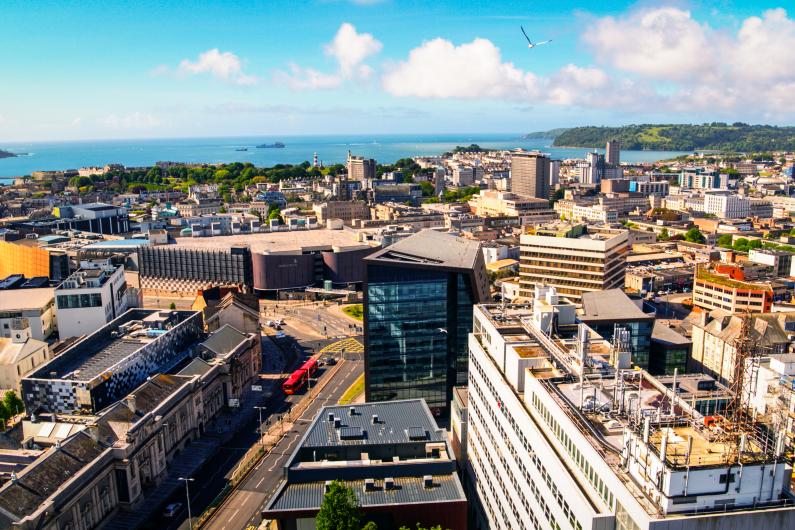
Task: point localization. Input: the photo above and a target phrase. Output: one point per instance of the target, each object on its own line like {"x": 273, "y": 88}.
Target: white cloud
{"x": 349, "y": 49}
{"x": 764, "y": 47}
{"x": 225, "y": 66}
{"x": 659, "y": 43}
{"x": 707, "y": 69}
{"x": 439, "y": 69}
{"x": 133, "y": 120}
{"x": 307, "y": 79}
{"x": 653, "y": 60}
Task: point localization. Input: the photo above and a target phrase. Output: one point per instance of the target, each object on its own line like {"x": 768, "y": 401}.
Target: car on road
{"x": 172, "y": 509}
{"x": 280, "y": 335}
{"x": 328, "y": 360}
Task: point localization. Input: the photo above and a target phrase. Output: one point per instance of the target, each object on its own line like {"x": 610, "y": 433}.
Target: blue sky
{"x": 91, "y": 69}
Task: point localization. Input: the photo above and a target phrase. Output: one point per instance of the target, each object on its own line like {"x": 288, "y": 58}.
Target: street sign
{"x": 234, "y": 402}
{"x": 256, "y": 388}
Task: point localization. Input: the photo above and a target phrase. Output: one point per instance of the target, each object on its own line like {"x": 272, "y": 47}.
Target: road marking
{"x": 233, "y": 515}
{"x": 260, "y": 481}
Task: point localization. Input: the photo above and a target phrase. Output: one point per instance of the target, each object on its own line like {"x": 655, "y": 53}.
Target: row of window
{"x": 585, "y": 466}
{"x": 547, "y": 477}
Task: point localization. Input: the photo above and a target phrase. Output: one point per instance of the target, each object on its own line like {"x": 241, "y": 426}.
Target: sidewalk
{"x": 223, "y": 428}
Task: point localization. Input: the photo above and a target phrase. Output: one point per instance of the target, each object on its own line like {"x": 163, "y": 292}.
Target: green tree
{"x": 5, "y": 415}
{"x": 725, "y": 241}
{"x": 427, "y": 189}
{"x": 339, "y": 509}
{"x": 694, "y": 235}
{"x": 172, "y": 305}
{"x": 664, "y": 235}
{"x": 370, "y": 526}
{"x": 12, "y": 403}
{"x": 420, "y": 527}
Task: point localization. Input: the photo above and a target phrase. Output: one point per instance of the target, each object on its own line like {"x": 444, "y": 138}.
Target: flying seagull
{"x": 531, "y": 44}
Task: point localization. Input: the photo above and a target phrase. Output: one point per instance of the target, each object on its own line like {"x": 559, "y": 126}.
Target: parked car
{"x": 172, "y": 509}
{"x": 331, "y": 361}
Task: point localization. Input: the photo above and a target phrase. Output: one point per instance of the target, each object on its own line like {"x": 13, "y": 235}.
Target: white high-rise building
{"x": 558, "y": 438}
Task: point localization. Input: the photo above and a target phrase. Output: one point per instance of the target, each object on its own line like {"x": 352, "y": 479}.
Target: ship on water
{"x": 274, "y": 145}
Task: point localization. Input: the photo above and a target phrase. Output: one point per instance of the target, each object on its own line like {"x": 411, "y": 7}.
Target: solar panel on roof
{"x": 351, "y": 433}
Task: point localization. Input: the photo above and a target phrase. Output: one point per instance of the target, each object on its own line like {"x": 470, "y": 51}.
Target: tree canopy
{"x": 736, "y": 137}
{"x": 339, "y": 509}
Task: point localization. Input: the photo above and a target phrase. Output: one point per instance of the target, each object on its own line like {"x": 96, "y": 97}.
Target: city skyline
{"x": 369, "y": 66}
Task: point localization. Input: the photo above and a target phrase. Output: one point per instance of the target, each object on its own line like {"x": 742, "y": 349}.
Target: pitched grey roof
{"x": 225, "y": 340}
{"x": 663, "y": 333}
{"x": 408, "y": 490}
{"x": 430, "y": 247}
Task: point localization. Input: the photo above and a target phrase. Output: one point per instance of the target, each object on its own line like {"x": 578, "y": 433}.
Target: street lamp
{"x": 187, "y": 495}
{"x": 259, "y": 425}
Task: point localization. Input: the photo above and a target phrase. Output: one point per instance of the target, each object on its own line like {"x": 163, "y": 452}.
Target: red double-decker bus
{"x": 298, "y": 379}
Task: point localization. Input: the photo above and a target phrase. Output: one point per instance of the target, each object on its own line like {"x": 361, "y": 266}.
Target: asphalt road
{"x": 243, "y": 507}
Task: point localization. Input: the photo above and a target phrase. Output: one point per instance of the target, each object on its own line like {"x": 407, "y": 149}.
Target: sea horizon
{"x": 331, "y": 149}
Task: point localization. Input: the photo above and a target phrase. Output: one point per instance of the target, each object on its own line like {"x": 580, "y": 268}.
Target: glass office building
{"x": 604, "y": 311}
{"x": 419, "y": 295}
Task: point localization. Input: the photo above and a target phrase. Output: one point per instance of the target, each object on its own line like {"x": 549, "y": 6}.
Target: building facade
{"x": 573, "y": 262}
{"x": 90, "y": 298}
{"x": 418, "y": 298}
{"x": 99, "y": 369}
{"x": 530, "y": 175}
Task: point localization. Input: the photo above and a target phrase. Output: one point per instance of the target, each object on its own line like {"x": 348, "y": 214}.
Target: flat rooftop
{"x": 99, "y": 352}
{"x": 407, "y": 490}
{"x": 398, "y": 422}
{"x": 272, "y": 241}
{"x": 611, "y": 304}
{"x": 14, "y": 300}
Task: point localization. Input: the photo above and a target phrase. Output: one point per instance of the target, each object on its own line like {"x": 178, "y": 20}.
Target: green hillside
{"x": 739, "y": 137}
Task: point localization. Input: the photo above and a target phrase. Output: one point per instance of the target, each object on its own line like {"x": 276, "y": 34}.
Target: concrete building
{"x": 724, "y": 287}
{"x": 571, "y": 260}
{"x": 418, "y": 298}
{"x": 19, "y": 355}
{"x": 463, "y": 175}
{"x": 780, "y": 260}
{"x": 90, "y": 298}
{"x": 700, "y": 178}
{"x": 727, "y": 205}
{"x": 394, "y": 458}
{"x": 101, "y": 368}
{"x": 36, "y": 306}
{"x": 541, "y": 456}
{"x": 360, "y": 168}
{"x": 499, "y": 203}
{"x": 658, "y": 188}
{"x": 346, "y": 211}
{"x": 613, "y": 152}
{"x": 714, "y": 335}
{"x": 594, "y": 170}
{"x": 530, "y": 175}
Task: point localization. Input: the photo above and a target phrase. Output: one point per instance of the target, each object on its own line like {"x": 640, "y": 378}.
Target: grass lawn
{"x": 353, "y": 391}
{"x": 354, "y": 311}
